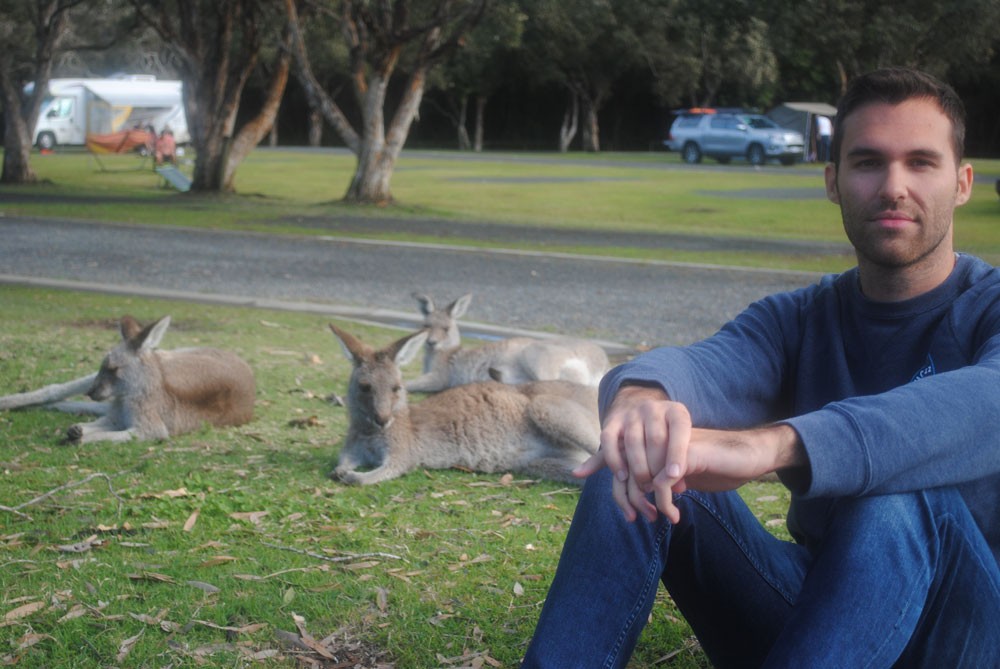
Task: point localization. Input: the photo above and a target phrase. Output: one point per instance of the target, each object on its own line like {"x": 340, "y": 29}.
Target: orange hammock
{"x": 122, "y": 141}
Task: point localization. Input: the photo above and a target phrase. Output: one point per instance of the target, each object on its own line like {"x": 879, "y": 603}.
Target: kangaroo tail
{"x": 48, "y": 394}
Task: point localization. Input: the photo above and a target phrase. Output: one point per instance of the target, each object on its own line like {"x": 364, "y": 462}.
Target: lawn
{"x": 289, "y": 191}
{"x": 232, "y": 547}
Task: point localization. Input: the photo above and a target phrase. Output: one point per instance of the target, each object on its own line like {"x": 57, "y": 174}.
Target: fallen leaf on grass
{"x": 308, "y": 640}
{"x": 244, "y": 629}
{"x": 204, "y": 587}
{"x": 151, "y": 576}
{"x": 217, "y": 560}
{"x": 168, "y": 494}
{"x": 22, "y": 612}
{"x": 126, "y": 647}
{"x": 30, "y": 639}
{"x": 81, "y": 546}
{"x": 192, "y": 519}
{"x": 302, "y": 423}
{"x": 253, "y": 517}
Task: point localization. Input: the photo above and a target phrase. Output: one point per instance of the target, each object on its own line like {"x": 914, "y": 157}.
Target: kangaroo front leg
{"x": 82, "y": 433}
{"x": 377, "y": 475}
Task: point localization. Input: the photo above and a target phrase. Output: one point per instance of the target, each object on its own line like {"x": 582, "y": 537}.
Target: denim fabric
{"x": 899, "y": 580}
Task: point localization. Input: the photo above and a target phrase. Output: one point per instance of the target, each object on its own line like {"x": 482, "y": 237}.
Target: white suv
{"x": 726, "y": 135}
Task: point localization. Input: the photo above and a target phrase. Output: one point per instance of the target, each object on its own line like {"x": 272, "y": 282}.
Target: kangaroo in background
{"x": 542, "y": 429}
{"x": 145, "y": 393}
{"x": 513, "y": 360}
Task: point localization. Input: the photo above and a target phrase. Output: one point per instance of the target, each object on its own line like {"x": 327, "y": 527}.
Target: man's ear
{"x": 965, "y": 178}
{"x": 832, "y": 192}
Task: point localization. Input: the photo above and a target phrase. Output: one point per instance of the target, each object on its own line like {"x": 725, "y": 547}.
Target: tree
{"x": 27, "y": 56}
{"x": 476, "y": 73}
{"x": 383, "y": 38}
{"x": 584, "y": 46}
{"x": 217, "y": 44}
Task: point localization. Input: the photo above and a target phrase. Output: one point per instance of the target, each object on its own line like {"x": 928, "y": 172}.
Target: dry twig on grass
{"x": 16, "y": 510}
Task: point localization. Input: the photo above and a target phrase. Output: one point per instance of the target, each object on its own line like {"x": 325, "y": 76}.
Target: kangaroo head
{"x": 375, "y": 392}
{"x": 123, "y": 366}
{"x": 442, "y": 324}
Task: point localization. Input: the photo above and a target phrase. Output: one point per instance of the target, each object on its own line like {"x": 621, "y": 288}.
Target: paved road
{"x": 632, "y": 303}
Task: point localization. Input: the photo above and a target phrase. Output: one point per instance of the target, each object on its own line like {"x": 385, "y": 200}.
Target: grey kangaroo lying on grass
{"x": 513, "y": 360}
{"x": 145, "y": 393}
{"x": 542, "y": 429}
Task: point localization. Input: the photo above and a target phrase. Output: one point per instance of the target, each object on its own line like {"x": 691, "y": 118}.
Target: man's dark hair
{"x": 893, "y": 85}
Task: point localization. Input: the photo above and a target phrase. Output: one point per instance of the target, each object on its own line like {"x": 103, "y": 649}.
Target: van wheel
{"x": 755, "y": 154}
{"x": 691, "y": 153}
{"x": 46, "y": 141}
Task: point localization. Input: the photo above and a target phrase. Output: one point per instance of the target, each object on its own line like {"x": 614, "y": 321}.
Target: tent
{"x": 799, "y": 116}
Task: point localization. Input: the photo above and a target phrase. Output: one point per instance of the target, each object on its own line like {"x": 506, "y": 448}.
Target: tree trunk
{"x": 16, "y": 157}
{"x": 570, "y": 121}
{"x": 463, "y": 134}
{"x": 477, "y": 144}
{"x": 315, "y": 127}
{"x": 381, "y": 149}
{"x": 253, "y": 131}
{"x": 591, "y": 129}
{"x": 16, "y": 139}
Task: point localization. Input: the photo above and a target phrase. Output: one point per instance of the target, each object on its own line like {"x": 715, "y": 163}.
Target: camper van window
{"x": 61, "y": 108}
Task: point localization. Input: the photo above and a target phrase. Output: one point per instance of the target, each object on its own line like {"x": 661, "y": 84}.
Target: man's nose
{"x": 894, "y": 184}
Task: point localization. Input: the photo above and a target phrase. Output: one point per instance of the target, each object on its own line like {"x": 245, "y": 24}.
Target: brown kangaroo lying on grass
{"x": 145, "y": 393}
{"x": 513, "y": 360}
{"x": 542, "y": 429}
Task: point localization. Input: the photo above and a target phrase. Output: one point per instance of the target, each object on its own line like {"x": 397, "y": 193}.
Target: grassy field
{"x": 233, "y": 547}
{"x": 227, "y": 547}
{"x": 284, "y": 190}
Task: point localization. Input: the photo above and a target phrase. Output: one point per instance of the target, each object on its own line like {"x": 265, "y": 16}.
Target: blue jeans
{"x": 900, "y": 580}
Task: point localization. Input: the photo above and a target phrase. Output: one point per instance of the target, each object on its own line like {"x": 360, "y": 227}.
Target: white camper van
{"x": 75, "y": 108}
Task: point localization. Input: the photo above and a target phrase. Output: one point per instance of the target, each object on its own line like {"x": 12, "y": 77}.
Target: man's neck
{"x": 893, "y": 284}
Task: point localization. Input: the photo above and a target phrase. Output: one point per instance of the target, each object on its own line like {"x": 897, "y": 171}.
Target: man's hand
{"x": 649, "y": 444}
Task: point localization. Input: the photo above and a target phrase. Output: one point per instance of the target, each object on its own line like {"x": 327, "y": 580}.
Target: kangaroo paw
{"x": 74, "y": 434}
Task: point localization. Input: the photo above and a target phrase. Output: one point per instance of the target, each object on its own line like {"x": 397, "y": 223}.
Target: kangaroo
{"x": 145, "y": 393}
{"x": 543, "y": 429}
{"x": 513, "y": 360}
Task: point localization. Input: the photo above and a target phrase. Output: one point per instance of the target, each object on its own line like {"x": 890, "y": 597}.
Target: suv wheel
{"x": 755, "y": 154}
{"x": 691, "y": 153}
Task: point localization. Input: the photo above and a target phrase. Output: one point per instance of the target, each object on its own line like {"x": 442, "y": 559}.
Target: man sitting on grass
{"x": 875, "y": 396}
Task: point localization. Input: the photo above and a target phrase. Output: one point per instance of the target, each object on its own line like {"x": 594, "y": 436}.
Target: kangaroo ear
{"x": 151, "y": 336}
{"x": 405, "y": 349}
{"x": 457, "y": 308}
{"x": 129, "y": 327}
{"x": 354, "y": 349}
{"x": 426, "y": 303}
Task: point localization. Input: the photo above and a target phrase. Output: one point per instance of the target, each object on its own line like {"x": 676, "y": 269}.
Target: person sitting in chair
{"x": 166, "y": 147}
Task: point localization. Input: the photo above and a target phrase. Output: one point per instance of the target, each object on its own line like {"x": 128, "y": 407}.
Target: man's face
{"x": 898, "y": 185}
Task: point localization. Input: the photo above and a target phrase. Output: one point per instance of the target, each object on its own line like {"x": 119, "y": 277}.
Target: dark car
{"x": 724, "y": 135}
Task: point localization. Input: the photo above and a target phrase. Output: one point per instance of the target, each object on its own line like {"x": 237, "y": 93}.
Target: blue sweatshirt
{"x": 886, "y": 397}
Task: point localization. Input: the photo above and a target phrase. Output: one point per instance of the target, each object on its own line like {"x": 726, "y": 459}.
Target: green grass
{"x": 431, "y": 567}
{"x": 616, "y": 192}
{"x": 415, "y": 572}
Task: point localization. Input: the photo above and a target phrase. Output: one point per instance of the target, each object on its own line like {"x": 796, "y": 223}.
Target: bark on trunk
{"x": 477, "y": 144}
{"x": 254, "y": 130}
{"x": 463, "y": 134}
{"x": 591, "y": 128}
{"x": 380, "y": 149}
{"x": 570, "y": 122}
{"x": 315, "y": 127}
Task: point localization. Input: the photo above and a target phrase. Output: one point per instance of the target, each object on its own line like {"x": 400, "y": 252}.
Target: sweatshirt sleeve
{"x": 936, "y": 431}
{"x": 730, "y": 380}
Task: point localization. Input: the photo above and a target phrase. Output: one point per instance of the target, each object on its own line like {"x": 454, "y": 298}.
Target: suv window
{"x": 723, "y": 123}
{"x": 688, "y": 121}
